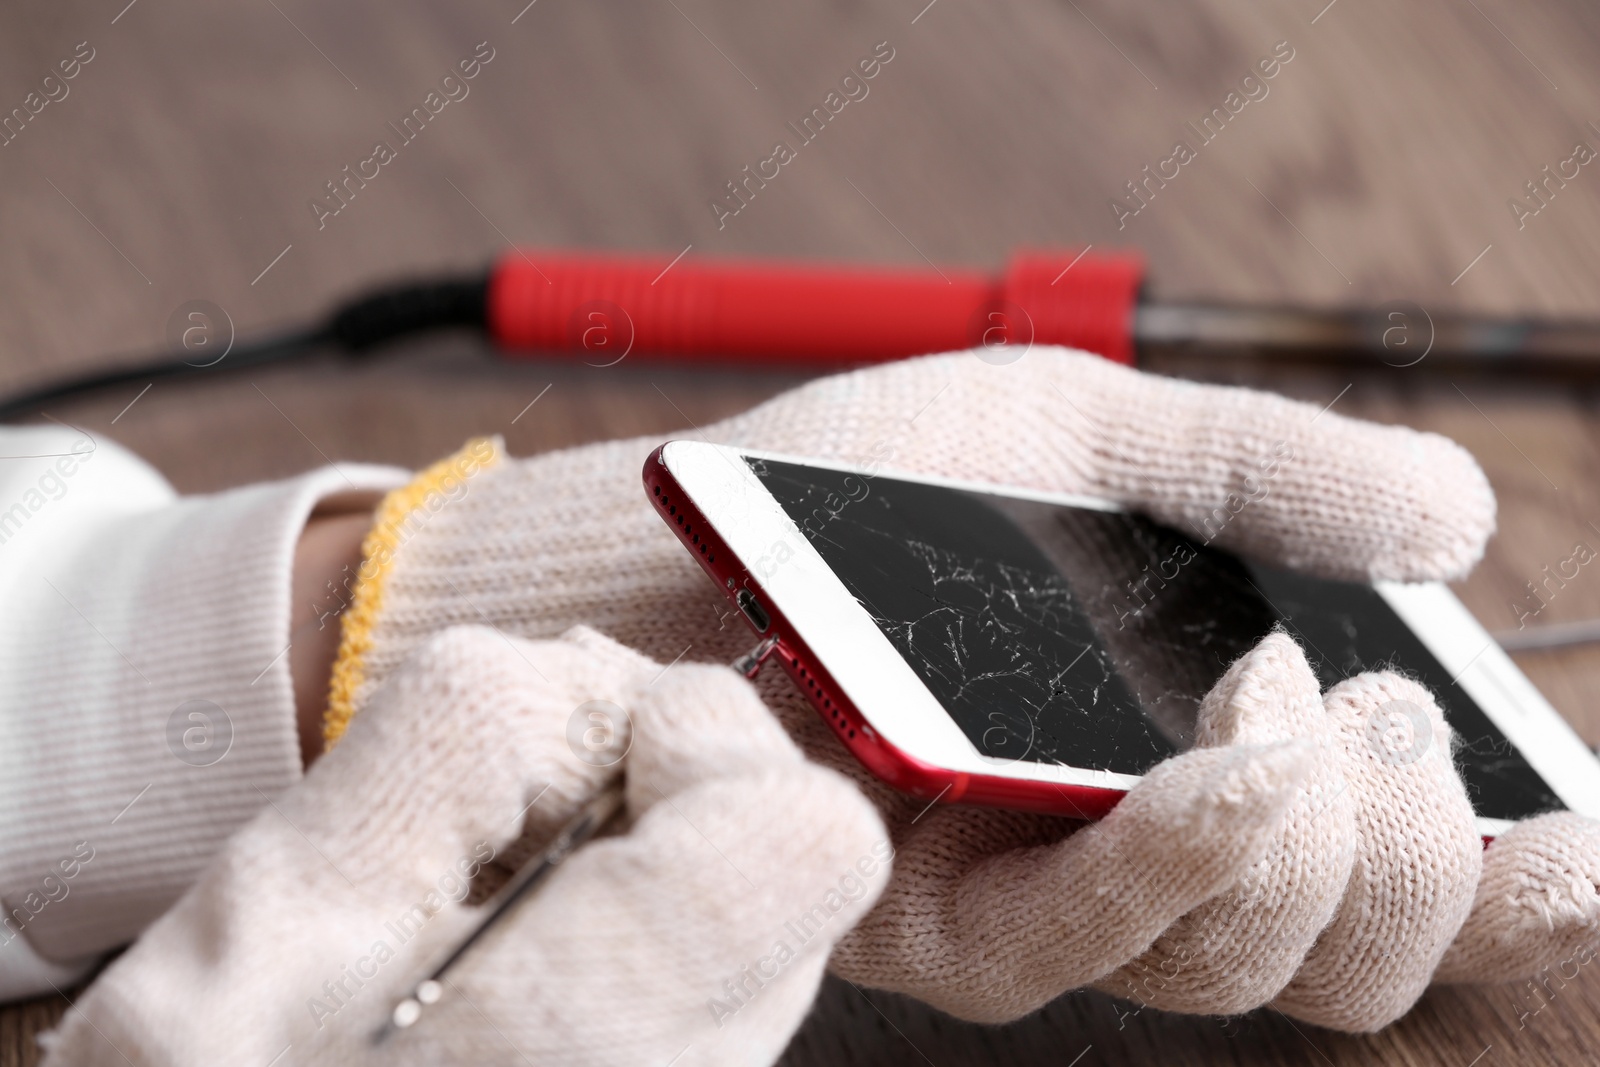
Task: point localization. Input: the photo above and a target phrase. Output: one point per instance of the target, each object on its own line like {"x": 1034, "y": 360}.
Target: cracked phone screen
{"x": 1083, "y": 637}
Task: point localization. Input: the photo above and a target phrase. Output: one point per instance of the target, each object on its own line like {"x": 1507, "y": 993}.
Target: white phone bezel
{"x": 873, "y": 676}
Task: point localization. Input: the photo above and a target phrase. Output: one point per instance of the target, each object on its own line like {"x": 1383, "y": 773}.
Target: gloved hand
{"x": 990, "y": 914}
{"x": 701, "y": 932}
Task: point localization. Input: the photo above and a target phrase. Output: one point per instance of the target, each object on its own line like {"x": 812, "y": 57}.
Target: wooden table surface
{"x": 181, "y": 162}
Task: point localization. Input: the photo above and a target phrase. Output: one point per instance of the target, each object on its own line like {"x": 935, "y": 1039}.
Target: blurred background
{"x": 181, "y": 162}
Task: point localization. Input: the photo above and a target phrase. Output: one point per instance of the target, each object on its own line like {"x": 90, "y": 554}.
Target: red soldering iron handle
{"x": 603, "y": 307}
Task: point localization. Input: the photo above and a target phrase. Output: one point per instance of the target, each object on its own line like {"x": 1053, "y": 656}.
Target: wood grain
{"x": 1377, "y": 167}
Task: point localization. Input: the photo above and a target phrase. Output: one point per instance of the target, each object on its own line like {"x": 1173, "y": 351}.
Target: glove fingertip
{"x": 1224, "y": 802}
{"x": 1537, "y": 906}
{"x": 1451, "y": 514}
{"x": 696, "y": 721}
{"x": 1269, "y": 693}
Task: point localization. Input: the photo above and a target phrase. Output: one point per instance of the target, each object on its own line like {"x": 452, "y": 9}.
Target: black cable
{"x": 356, "y": 328}
{"x": 399, "y": 310}
{"x": 273, "y": 350}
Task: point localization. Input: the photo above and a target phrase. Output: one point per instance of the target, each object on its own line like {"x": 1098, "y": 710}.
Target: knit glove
{"x": 990, "y": 914}
{"x": 699, "y": 935}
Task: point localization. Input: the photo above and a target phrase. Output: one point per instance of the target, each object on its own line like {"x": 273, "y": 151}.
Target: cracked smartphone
{"x": 980, "y": 644}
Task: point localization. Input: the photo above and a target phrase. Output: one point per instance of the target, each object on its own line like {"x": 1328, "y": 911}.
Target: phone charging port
{"x": 753, "y": 611}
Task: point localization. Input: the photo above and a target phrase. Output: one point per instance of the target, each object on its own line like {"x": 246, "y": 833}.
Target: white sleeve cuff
{"x": 146, "y": 708}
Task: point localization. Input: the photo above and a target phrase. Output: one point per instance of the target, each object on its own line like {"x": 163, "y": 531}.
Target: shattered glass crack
{"x": 1070, "y": 635}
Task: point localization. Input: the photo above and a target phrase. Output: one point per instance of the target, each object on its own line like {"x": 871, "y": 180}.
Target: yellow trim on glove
{"x": 390, "y": 531}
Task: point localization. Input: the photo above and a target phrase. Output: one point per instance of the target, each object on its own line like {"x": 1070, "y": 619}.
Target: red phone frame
{"x": 882, "y": 757}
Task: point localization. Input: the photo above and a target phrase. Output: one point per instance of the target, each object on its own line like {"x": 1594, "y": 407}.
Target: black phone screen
{"x": 1088, "y": 638}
